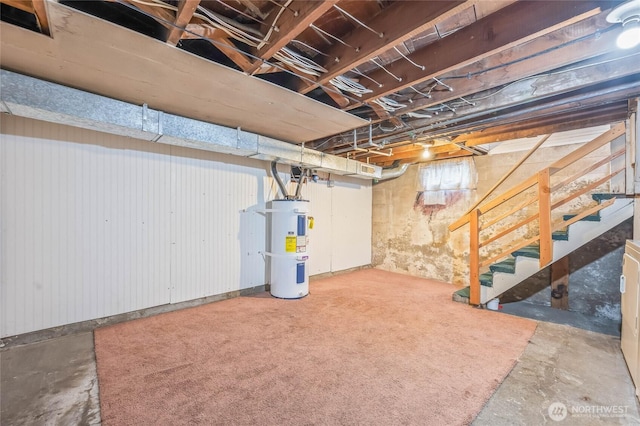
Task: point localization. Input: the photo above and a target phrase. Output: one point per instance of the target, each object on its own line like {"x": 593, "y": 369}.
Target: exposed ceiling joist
{"x": 487, "y": 36}
{"x": 40, "y": 10}
{"x": 536, "y": 89}
{"x": 186, "y": 9}
{"x": 399, "y": 22}
{"x": 492, "y": 69}
{"x": 559, "y": 48}
{"x": 287, "y": 23}
{"x": 25, "y": 6}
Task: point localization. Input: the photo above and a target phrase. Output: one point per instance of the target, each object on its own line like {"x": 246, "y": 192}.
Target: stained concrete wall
{"x": 411, "y": 239}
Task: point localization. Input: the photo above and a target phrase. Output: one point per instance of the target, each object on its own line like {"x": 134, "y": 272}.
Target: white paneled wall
{"x": 94, "y": 225}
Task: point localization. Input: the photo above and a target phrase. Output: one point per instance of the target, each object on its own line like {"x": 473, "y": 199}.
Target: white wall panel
{"x": 351, "y": 224}
{"x": 94, "y": 225}
{"x": 320, "y": 236}
{"x": 216, "y": 234}
{"x": 81, "y": 238}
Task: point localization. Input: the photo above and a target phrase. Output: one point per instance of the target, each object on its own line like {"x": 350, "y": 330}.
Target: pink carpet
{"x": 368, "y": 347}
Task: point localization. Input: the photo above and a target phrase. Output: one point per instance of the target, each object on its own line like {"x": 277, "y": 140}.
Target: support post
{"x": 560, "y": 284}
{"x": 474, "y": 257}
{"x": 544, "y": 206}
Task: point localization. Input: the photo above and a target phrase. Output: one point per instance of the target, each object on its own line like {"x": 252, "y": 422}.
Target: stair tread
{"x": 486, "y": 279}
{"x": 532, "y": 250}
{"x": 561, "y": 235}
{"x": 591, "y": 218}
{"x": 464, "y": 292}
{"x": 507, "y": 266}
{"x": 602, "y": 197}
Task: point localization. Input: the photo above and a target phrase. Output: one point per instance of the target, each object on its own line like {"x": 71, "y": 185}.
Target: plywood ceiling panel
{"x": 94, "y": 55}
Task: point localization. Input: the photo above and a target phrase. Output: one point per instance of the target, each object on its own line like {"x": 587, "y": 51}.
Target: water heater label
{"x": 290, "y": 244}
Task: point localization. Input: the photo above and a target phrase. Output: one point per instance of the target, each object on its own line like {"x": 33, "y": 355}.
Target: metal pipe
{"x": 393, "y": 173}
{"x": 276, "y": 176}
{"x": 303, "y": 176}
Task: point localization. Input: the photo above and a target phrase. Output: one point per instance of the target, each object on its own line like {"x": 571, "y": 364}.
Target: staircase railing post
{"x": 544, "y": 206}
{"x": 474, "y": 257}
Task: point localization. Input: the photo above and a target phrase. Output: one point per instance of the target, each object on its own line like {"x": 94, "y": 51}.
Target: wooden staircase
{"x": 542, "y": 231}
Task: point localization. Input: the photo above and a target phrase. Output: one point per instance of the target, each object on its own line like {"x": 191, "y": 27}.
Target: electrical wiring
{"x": 422, "y": 67}
{"x": 308, "y": 47}
{"x": 232, "y": 29}
{"x": 246, "y": 15}
{"x": 299, "y": 62}
{"x": 355, "y": 70}
{"x": 388, "y": 104}
{"x": 321, "y": 31}
{"x": 344, "y": 12}
{"x": 217, "y": 43}
{"x": 348, "y": 85}
{"x": 385, "y": 70}
{"x": 273, "y": 24}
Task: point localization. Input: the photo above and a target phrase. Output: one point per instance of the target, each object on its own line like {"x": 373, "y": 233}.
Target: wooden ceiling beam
{"x": 287, "y": 24}
{"x": 562, "y": 114}
{"x": 25, "y": 6}
{"x": 538, "y": 56}
{"x": 571, "y": 108}
{"x": 415, "y": 152}
{"x": 578, "y": 42}
{"x": 186, "y": 9}
{"x": 220, "y": 40}
{"x": 336, "y": 95}
{"x": 40, "y": 9}
{"x": 598, "y": 120}
{"x": 515, "y": 24}
{"x": 599, "y": 70}
{"x": 226, "y": 46}
{"x": 398, "y": 23}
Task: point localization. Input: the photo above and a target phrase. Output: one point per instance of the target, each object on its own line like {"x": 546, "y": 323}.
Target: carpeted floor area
{"x": 367, "y": 347}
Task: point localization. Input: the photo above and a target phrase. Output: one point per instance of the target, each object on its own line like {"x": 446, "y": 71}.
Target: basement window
{"x": 443, "y": 183}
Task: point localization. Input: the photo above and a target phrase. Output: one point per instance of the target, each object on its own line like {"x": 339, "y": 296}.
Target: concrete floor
{"x": 54, "y": 382}
{"x": 582, "y": 370}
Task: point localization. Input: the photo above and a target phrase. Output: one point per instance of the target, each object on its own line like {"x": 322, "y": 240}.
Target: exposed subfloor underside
{"x": 54, "y": 382}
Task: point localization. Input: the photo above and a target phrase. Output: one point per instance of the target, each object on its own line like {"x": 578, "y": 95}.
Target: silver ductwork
{"x": 29, "y": 97}
{"x": 393, "y": 173}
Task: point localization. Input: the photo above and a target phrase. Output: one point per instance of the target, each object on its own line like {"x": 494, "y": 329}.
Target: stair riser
{"x": 580, "y": 233}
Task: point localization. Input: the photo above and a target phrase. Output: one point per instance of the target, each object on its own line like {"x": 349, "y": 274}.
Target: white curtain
{"x": 438, "y": 179}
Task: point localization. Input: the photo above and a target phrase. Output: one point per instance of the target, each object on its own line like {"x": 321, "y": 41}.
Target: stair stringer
{"x": 580, "y": 233}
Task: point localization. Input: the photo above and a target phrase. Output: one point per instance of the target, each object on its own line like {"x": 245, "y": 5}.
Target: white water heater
{"x": 289, "y": 251}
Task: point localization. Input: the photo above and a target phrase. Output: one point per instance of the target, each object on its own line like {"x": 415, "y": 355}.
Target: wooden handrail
{"x": 543, "y": 215}
{"x": 509, "y": 230}
{"x": 572, "y": 157}
{"x": 474, "y": 258}
{"x": 586, "y": 189}
{"x": 510, "y": 172}
{"x": 519, "y": 207}
{"x": 592, "y": 210}
{"x": 544, "y": 221}
{"x": 588, "y": 148}
{"x": 588, "y": 169}
{"x": 504, "y": 252}
{"x": 496, "y": 201}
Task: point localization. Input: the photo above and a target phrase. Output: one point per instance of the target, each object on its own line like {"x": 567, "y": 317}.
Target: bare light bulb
{"x": 426, "y": 153}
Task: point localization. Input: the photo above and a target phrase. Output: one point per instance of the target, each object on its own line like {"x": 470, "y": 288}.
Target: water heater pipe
{"x": 276, "y": 176}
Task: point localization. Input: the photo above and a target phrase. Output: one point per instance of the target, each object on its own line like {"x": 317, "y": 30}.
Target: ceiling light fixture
{"x": 426, "y": 153}
{"x": 629, "y": 15}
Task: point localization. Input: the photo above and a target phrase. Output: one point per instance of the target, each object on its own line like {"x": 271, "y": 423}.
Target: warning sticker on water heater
{"x": 290, "y": 244}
